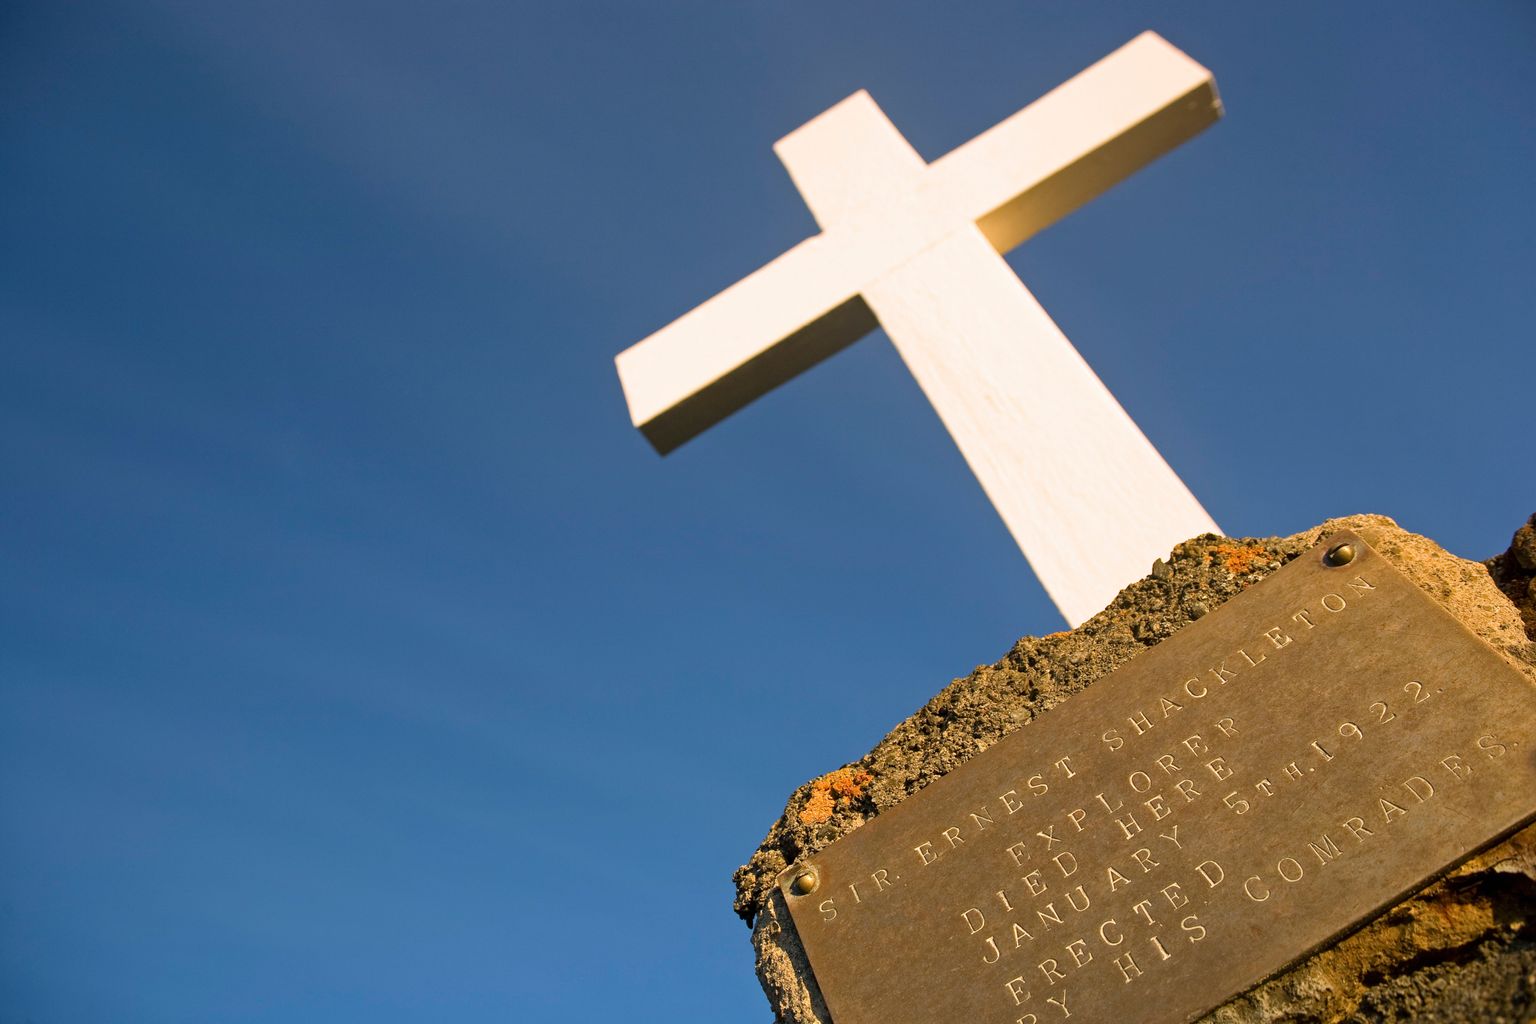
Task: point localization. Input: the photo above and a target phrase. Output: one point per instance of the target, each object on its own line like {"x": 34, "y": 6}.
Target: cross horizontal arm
{"x": 1086, "y": 135}
{"x": 767, "y": 328}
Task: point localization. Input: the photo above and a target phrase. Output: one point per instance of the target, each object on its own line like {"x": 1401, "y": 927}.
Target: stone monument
{"x": 1277, "y": 779}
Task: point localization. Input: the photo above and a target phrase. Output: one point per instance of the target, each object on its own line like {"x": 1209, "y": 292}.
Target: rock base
{"x": 1462, "y": 949}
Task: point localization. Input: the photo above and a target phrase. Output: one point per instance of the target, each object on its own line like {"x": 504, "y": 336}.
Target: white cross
{"x": 915, "y": 248}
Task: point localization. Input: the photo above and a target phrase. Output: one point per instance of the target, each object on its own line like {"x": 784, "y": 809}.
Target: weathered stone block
{"x": 1460, "y": 949}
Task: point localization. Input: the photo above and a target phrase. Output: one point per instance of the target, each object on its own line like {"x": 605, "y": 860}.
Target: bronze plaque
{"x": 1232, "y": 799}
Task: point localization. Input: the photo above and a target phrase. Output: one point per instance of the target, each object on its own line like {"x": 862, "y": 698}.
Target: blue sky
{"x": 359, "y": 661}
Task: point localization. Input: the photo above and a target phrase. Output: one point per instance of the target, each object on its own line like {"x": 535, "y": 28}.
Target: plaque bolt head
{"x": 1341, "y": 554}
{"x": 804, "y": 884}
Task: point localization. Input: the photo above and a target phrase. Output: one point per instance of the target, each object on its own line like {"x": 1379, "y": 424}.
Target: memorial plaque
{"x": 1224, "y": 804}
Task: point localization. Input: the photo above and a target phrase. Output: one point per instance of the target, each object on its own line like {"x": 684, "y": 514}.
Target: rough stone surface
{"x": 1462, "y": 949}
{"x": 1515, "y": 573}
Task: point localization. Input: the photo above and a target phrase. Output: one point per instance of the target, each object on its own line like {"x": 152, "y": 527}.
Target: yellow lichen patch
{"x": 1239, "y": 559}
{"x": 837, "y": 789}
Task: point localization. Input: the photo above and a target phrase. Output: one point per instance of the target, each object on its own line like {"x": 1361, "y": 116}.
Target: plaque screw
{"x": 1342, "y": 554}
{"x": 804, "y": 884}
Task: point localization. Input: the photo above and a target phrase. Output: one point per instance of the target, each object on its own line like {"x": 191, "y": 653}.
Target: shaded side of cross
{"x": 916, "y": 248}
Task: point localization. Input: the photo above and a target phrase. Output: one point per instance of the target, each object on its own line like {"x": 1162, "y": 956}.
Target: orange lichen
{"x": 1239, "y": 559}
{"x": 850, "y": 782}
{"x": 818, "y": 808}
{"x": 837, "y": 789}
